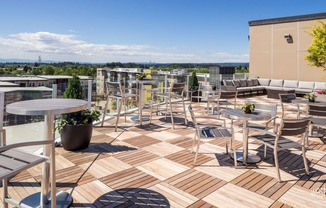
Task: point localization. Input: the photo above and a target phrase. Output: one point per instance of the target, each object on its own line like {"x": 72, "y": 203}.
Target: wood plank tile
{"x": 162, "y": 168}
{"x": 234, "y": 196}
{"x": 301, "y": 197}
{"x": 142, "y": 141}
{"x": 201, "y": 204}
{"x": 186, "y": 158}
{"x": 131, "y": 177}
{"x": 137, "y": 157}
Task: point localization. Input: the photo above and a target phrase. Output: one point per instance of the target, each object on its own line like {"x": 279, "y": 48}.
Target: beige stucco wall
{"x": 271, "y": 56}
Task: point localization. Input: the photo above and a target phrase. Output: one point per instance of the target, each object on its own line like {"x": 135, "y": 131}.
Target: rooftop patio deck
{"x": 152, "y": 166}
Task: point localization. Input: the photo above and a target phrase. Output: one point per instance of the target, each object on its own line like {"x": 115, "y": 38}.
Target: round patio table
{"x": 49, "y": 108}
{"x": 238, "y": 114}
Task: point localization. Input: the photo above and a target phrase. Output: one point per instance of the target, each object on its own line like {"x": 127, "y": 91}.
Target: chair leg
{"x": 118, "y": 113}
{"x": 104, "y": 110}
{"x": 265, "y": 151}
{"x": 171, "y": 111}
{"x": 125, "y": 107}
{"x": 234, "y": 150}
{"x": 193, "y": 142}
{"x": 197, "y": 150}
{"x": 151, "y": 112}
{"x": 166, "y": 108}
{"x": 277, "y": 165}
{"x": 5, "y": 193}
{"x": 184, "y": 110}
{"x": 306, "y": 167}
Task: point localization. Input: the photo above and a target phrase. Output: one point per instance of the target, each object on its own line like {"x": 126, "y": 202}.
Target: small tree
{"x": 74, "y": 89}
{"x": 317, "y": 50}
{"x": 193, "y": 81}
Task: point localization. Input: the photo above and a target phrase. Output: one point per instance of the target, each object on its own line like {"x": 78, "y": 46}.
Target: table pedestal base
{"x": 63, "y": 200}
{"x": 316, "y": 134}
{"x": 136, "y": 118}
{"x": 250, "y": 158}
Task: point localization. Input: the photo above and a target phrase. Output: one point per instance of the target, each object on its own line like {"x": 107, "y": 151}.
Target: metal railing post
{"x": 165, "y": 85}
{"x": 54, "y": 91}
{"x": 2, "y": 103}
{"x": 188, "y": 86}
{"x": 89, "y": 94}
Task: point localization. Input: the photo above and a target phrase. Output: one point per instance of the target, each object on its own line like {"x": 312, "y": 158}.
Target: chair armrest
{"x": 272, "y": 119}
{"x": 25, "y": 144}
{"x": 261, "y": 131}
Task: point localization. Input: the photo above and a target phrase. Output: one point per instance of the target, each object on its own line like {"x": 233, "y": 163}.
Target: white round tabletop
{"x": 317, "y": 103}
{"x": 239, "y": 114}
{"x": 46, "y": 106}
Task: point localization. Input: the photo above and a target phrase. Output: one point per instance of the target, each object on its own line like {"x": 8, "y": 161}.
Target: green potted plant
{"x": 311, "y": 96}
{"x": 248, "y": 107}
{"x": 76, "y": 128}
{"x": 193, "y": 87}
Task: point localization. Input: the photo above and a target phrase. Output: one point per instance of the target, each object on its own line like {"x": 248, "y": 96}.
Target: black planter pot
{"x": 76, "y": 137}
{"x": 195, "y": 98}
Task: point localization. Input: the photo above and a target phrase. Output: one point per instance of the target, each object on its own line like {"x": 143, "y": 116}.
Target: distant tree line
{"x": 71, "y": 68}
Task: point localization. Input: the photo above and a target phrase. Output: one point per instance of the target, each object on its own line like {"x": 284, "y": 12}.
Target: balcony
{"x": 152, "y": 166}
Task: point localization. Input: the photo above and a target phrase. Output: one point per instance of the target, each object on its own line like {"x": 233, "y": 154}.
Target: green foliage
{"x": 74, "y": 89}
{"x": 80, "y": 118}
{"x": 248, "y": 106}
{"x": 48, "y": 70}
{"x": 241, "y": 69}
{"x": 317, "y": 51}
{"x": 193, "y": 81}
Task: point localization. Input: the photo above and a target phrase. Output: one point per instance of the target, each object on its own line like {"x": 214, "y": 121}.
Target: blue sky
{"x": 101, "y": 31}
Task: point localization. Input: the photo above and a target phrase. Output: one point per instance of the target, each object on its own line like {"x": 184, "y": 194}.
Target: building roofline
{"x": 306, "y": 17}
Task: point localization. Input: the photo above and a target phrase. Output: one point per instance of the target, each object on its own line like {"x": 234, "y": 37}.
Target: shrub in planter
{"x": 194, "y": 86}
{"x": 76, "y": 128}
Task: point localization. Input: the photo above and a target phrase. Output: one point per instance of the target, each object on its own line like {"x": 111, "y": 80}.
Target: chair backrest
{"x": 205, "y": 87}
{"x": 266, "y": 108}
{"x": 115, "y": 88}
{"x": 287, "y": 98}
{"x": 193, "y": 118}
{"x": 293, "y": 127}
{"x": 227, "y": 95}
{"x": 317, "y": 110}
{"x": 177, "y": 87}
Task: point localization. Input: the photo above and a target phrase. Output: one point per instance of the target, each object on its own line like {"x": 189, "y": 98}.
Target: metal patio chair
{"x": 175, "y": 91}
{"x": 13, "y": 161}
{"x": 116, "y": 91}
{"x": 209, "y": 132}
{"x": 280, "y": 140}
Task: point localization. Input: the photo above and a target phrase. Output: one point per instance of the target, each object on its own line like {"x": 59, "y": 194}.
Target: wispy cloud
{"x": 67, "y": 47}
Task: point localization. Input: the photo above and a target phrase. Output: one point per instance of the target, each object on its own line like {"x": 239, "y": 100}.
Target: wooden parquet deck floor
{"x": 151, "y": 166}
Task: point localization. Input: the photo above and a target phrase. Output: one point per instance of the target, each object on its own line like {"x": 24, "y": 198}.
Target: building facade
{"x": 278, "y": 48}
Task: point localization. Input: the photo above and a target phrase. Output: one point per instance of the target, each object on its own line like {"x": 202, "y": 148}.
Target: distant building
{"x": 45, "y": 80}
{"x": 278, "y": 48}
{"x": 218, "y": 73}
{"x": 104, "y": 74}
